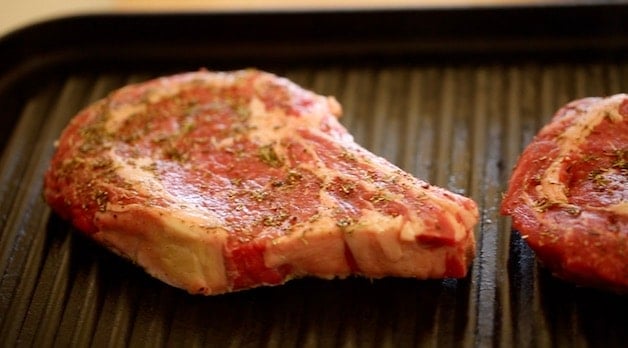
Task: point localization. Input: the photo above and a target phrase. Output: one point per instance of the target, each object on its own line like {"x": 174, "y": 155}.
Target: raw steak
{"x": 215, "y": 182}
{"x": 568, "y": 194}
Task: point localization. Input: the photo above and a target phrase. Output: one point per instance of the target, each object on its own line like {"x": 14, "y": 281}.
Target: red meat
{"x": 215, "y": 182}
{"x": 568, "y": 194}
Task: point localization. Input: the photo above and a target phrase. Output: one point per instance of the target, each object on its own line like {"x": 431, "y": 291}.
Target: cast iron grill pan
{"x": 456, "y": 111}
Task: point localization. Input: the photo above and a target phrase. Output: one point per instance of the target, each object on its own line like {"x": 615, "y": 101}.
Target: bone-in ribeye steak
{"x": 220, "y": 181}
{"x": 568, "y": 194}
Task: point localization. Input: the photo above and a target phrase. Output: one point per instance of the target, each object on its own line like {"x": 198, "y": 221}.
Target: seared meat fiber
{"x": 568, "y": 194}
{"x": 215, "y": 182}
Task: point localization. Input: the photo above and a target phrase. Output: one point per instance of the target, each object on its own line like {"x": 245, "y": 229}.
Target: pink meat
{"x": 216, "y": 182}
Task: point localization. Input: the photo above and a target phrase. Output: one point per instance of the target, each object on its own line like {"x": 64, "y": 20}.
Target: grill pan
{"x": 451, "y": 95}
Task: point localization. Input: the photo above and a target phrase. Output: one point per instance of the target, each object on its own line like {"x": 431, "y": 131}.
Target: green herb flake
{"x": 348, "y": 156}
{"x": 268, "y": 155}
{"x": 572, "y": 209}
{"x": 347, "y": 187}
{"x": 102, "y": 163}
{"x": 344, "y": 222}
{"x": 274, "y": 220}
{"x": 259, "y": 195}
{"x": 150, "y": 167}
{"x": 293, "y": 176}
{"x": 621, "y": 160}
{"x": 542, "y": 204}
{"x": 174, "y": 154}
{"x": 188, "y": 127}
{"x": 379, "y": 197}
{"x": 598, "y": 178}
{"x": 101, "y": 197}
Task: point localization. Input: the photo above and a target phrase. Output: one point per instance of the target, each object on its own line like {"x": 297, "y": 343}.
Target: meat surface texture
{"x": 568, "y": 194}
{"x": 221, "y": 181}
